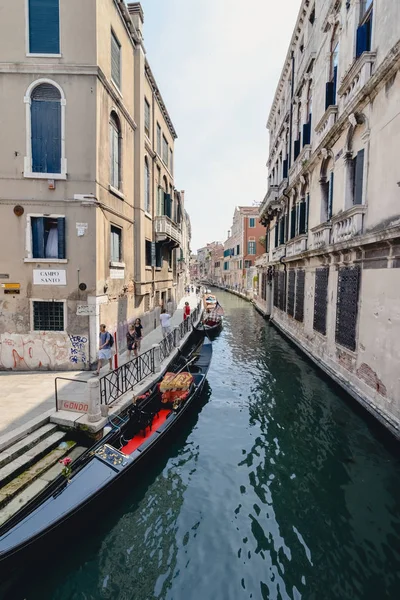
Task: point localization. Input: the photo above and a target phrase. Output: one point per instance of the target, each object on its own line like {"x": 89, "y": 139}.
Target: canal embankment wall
{"x": 336, "y": 371}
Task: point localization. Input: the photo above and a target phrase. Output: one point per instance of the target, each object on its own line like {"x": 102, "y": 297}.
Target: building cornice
{"x": 159, "y": 99}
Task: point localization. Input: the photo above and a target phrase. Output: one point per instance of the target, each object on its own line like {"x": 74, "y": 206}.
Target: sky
{"x": 217, "y": 64}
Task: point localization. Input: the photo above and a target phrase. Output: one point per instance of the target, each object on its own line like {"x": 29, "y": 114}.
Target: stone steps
{"x": 21, "y": 490}
{"x": 15, "y": 467}
{"x": 26, "y": 443}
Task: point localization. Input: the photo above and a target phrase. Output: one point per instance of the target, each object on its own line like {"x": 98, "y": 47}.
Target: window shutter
{"x": 115, "y": 60}
{"x": 44, "y": 27}
{"x": 361, "y": 40}
{"x": 37, "y": 224}
{"x": 334, "y": 81}
{"x": 302, "y": 217}
{"x": 267, "y": 241}
{"x": 276, "y": 235}
{"x": 167, "y": 205}
{"x": 46, "y": 129}
{"x": 293, "y": 222}
{"x": 328, "y": 94}
{"x": 330, "y": 196}
{"x": 358, "y": 178}
{"x": 306, "y": 134}
{"x": 285, "y": 168}
{"x": 307, "y": 212}
{"x": 153, "y": 254}
{"x": 61, "y": 237}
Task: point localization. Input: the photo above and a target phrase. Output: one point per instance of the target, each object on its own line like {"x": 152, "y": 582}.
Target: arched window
{"x": 115, "y": 151}
{"x": 45, "y": 133}
{"x": 326, "y": 182}
{"x": 146, "y": 186}
{"x": 334, "y": 61}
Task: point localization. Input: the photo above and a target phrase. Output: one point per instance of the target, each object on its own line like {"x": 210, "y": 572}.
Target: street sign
{"x": 86, "y": 310}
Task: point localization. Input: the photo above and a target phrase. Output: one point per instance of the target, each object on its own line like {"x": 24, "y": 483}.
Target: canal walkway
{"x": 30, "y": 396}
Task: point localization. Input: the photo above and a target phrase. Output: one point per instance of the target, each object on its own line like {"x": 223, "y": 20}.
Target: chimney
{"x": 136, "y": 11}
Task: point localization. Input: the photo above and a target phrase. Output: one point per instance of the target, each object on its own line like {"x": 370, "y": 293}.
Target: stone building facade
{"x": 91, "y": 220}
{"x": 243, "y": 245}
{"x": 330, "y": 276}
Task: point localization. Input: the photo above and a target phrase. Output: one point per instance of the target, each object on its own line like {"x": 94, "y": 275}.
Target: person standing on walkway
{"x": 186, "y": 311}
{"x": 139, "y": 335}
{"x": 165, "y": 320}
{"x": 105, "y": 345}
{"x": 131, "y": 342}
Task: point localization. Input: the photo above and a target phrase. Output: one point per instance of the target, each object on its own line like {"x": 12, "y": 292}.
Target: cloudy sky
{"x": 217, "y": 63}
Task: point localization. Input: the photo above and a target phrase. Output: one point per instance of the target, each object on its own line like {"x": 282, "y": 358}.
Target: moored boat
{"x": 211, "y": 320}
{"x": 66, "y": 504}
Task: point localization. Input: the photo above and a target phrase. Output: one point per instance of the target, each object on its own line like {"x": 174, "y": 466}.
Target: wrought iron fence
{"x": 167, "y": 345}
{"x": 116, "y": 383}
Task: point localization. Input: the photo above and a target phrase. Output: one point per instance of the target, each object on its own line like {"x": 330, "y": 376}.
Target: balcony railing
{"x": 270, "y": 197}
{"x": 348, "y": 224}
{"x": 166, "y": 228}
{"x": 355, "y": 78}
{"x": 321, "y": 236}
{"x": 297, "y": 245}
{"x": 279, "y": 252}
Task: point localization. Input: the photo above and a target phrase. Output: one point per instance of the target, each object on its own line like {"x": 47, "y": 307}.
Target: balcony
{"x": 326, "y": 122}
{"x": 348, "y": 224}
{"x": 321, "y": 236}
{"x": 167, "y": 230}
{"x": 271, "y": 196}
{"x": 279, "y": 252}
{"x": 301, "y": 161}
{"x": 355, "y": 78}
{"x": 297, "y": 245}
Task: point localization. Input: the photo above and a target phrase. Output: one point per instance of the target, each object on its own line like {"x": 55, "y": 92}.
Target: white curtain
{"x": 52, "y": 243}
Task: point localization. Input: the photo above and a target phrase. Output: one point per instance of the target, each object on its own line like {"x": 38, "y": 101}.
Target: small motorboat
{"x": 60, "y": 510}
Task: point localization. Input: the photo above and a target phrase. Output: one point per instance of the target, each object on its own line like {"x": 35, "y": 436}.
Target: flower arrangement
{"x": 67, "y": 467}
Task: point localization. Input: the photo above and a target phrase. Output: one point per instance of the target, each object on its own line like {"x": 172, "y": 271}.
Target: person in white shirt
{"x": 165, "y": 320}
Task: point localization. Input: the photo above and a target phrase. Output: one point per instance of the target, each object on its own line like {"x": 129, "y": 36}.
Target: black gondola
{"x": 59, "y": 509}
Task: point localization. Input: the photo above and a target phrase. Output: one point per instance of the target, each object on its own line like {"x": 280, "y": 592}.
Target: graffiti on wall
{"x": 78, "y": 349}
{"x": 43, "y": 350}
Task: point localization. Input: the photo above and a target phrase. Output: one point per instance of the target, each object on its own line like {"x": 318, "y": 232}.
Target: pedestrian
{"x": 105, "y": 344}
{"x": 186, "y": 311}
{"x": 131, "y": 343}
{"x": 165, "y": 320}
{"x": 139, "y": 334}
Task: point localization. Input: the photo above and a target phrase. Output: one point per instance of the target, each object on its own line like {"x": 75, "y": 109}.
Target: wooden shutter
{"x": 293, "y": 222}
{"x": 302, "y": 217}
{"x": 61, "y": 237}
{"x": 167, "y": 205}
{"x": 328, "y": 94}
{"x": 361, "y": 39}
{"x": 153, "y": 254}
{"x": 307, "y": 212}
{"x": 46, "y": 129}
{"x": 115, "y": 60}
{"x": 306, "y": 133}
{"x": 37, "y": 225}
{"x": 330, "y": 196}
{"x": 44, "y": 27}
{"x": 276, "y": 235}
{"x": 358, "y": 177}
{"x": 285, "y": 168}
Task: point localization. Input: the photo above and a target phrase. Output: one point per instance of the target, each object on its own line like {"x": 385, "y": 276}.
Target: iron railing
{"x": 116, "y": 383}
{"x": 167, "y": 345}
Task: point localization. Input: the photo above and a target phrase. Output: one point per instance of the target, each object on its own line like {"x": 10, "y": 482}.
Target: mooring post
{"x": 94, "y": 410}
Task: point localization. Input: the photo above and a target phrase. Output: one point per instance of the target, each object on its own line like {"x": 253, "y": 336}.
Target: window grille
{"x": 276, "y": 290}
{"x": 48, "y": 316}
{"x": 291, "y": 292}
{"x": 299, "y": 306}
{"x": 321, "y": 299}
{"x": 347, "y": 306}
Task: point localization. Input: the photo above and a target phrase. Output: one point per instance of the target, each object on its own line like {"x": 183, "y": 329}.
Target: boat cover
{"x": 172, "y": 381}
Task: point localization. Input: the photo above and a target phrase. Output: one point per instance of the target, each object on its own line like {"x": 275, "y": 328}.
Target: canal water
{"x": 277, "y": 487}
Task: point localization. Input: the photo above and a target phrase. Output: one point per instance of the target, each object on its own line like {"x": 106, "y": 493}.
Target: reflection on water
{"x": 276, "y": 488}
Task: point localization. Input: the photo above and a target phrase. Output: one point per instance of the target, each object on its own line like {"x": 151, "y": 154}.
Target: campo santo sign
{"x": 49, "y": 277}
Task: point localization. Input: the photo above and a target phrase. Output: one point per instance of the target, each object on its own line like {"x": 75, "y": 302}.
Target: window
{"x": 226, "y": 266}
{"x": 115, "y": 60}
{"x": 321, "y": 299}
{"x": 237, "y": 250}
{"x": 252, "y": 222}
{"x": 116, "y": 245}
{"x": 358, "y": 177}
{"x": 171, "y": 158}
{"x": 158, "y": 139}
{"x": 45, "y": 123}
{"x": 247, "y": 264}
{"x": 44, "y": 26}
{"x": 251, "y": 248}
{"x": 364, "y": 31}
{"x": 48, "y": 316}
{"x": 159, "y": 256}
{"x": 165, "y": 151}
{"x": 347, "y": 306}
{"x": 311, "y": 18}
{"x": 160, "y": 202}
{"x": 147, "y": 206}
{"x": 330, "y": 92}
{"x": 115, "y": 152}
{"x": 148, "y": 253}
{"x": 146, "y": 118}
{"x": 48, "y": 237}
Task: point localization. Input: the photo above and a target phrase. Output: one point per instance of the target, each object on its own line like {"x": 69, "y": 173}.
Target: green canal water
{"x": 276, "y": 487}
